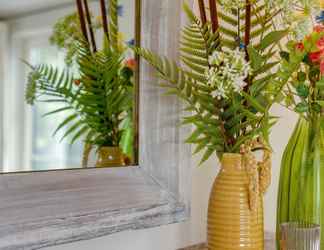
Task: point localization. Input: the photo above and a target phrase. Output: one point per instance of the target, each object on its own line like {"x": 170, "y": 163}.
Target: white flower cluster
{"x": 297, "y": 15}
{"x": 228, "y": 72}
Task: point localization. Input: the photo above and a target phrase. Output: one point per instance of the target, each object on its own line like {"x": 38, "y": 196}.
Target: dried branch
{"x": 202, "y": 11}
{"x": 104, "y": 18}
{"x": 93, "y": 40}
{"x": 82, "y": 21}
{"x": 214, "y": 15}
{"x": 247, "y": 36}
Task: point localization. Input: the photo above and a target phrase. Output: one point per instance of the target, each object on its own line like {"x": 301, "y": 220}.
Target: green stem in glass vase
{"x": 301, "y": 189}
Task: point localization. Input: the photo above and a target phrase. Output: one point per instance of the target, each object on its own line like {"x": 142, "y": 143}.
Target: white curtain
{"x": 3, "y": 78}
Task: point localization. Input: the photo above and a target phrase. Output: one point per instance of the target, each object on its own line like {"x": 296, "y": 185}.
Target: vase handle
{"x": 259, "y": 172}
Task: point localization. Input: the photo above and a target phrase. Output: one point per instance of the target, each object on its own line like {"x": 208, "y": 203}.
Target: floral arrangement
{"x": 98, "y": 98}
{"x": 302, "y": 67}
{"x": 227, "y": 65}
{"x": 301, "y": 80}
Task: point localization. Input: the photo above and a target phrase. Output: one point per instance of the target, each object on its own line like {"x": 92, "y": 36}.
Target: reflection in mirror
{"x": 67, "y": 84}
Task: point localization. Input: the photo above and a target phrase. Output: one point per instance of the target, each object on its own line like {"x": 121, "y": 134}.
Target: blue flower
{"x": 120, "y": 10}
{"x": 320, "y": 17}
{"x": 131, "y": 42}
{"x": 240, "y": 43}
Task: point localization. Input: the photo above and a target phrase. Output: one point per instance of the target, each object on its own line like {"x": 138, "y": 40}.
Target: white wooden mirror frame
{"x": 45, "y": 209}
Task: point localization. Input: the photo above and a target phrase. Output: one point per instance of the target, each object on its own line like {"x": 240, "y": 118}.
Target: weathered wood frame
{"x": 50, "y": 208}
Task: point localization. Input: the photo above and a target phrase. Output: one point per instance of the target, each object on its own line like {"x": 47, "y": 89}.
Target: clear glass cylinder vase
{"x": 301, "y": 186}
{"x": 299, "y": 236}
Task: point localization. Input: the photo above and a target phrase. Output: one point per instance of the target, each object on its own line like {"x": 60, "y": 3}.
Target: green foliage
{"x": 221, "y": 125}
{"x": 65, "y": 32}
{"x": 113, "y": 24}
{"x": 300, "y": 78}
{"x": 100, "y": 101}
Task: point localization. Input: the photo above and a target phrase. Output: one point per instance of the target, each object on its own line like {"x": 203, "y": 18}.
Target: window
{"x": 48, "y": 151}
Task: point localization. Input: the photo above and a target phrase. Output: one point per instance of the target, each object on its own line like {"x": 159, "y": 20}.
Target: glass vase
{"x": 299, "y": 236}
{"x": 301, "y": 186}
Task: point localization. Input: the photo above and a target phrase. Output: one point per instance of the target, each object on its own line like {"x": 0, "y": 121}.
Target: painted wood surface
{"x": 77, "y": 205}
{"x": 163, "y": 152}
{"x": 269, "y": 244}
{"x": 51, "y": 208}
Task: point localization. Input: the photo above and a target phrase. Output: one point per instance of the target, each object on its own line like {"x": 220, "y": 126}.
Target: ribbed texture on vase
{"x": 109, "y": 157}
{"x": 231, "y": 224}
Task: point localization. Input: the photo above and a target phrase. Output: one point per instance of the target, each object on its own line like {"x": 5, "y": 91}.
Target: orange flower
{"x": 131, "y": 63}
{"x": 319, "y": 28}
{"x": 77, "y": 82}
{"x": 320, "y": 43}
{"x": 300, "y": 46}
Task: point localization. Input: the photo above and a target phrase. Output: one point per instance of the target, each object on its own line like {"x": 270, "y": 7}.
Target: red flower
{"x": 131, "y": 63}
{"x": 320, "y": 43}
{"x": 319, "y": 28}
{"x": 315, "y": 57}
{"x": 322, "y": 67}
{"x": 77, "y": 82}
{"x": 300, "y": 46}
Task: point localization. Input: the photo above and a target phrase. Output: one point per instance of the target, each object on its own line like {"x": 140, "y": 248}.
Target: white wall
{"x": 171, "y": 237}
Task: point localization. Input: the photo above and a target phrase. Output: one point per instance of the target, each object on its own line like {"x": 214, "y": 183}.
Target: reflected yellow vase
{"x": 110, "y": 157}
{"x": 232, "y": 225}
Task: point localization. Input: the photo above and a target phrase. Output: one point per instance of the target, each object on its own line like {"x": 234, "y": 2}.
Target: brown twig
{"x": 247, "y": 35}
{"x": 202, "y": 10}
{"x": 93, "y": 40}
{"x": 104, "y": 17}
{"x": 82, "y": 21}
{"x": 213, "y": 15}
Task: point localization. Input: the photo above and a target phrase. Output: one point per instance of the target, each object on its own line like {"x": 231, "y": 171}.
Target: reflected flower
{"x": 131, "y": 42}
{"x": 120, "y": 10}
{"x": 320, "y": 17}
{"x": 131, "y": 63}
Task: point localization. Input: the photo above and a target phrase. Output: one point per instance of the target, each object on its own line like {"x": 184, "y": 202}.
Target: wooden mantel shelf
{"x": 269, "y": 244}
{"x": 196, "y": 247}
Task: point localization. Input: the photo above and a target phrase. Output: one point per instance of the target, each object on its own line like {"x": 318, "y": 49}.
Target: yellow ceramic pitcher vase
{"x": 110, "y": 157}
{"x": 107, "y": 157}
{"x": 235, "y": 214}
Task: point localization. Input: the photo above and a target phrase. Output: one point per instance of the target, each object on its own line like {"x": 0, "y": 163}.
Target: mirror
{"x": 68, "y": 84}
